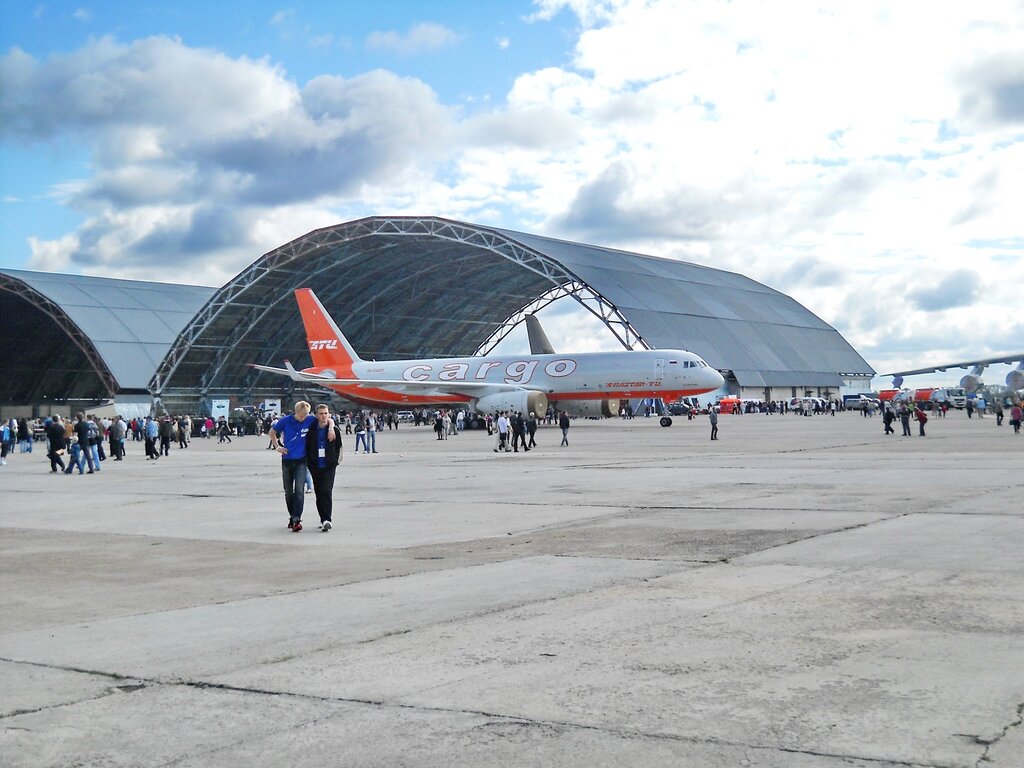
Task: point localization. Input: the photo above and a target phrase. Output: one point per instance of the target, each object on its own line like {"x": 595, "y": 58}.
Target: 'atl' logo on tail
{"x": 324, "y": 344}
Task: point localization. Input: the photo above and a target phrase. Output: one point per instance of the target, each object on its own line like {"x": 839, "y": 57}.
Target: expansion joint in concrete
{"x": 126, "y": 684}
{"x": 509, "y": 719}
{"x": 989, "y": 743}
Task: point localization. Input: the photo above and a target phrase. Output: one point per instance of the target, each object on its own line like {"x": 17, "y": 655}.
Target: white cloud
{"x": 424, "y": 37}
{"x": 193, "y": 151}
{"x": 853, "y": 155}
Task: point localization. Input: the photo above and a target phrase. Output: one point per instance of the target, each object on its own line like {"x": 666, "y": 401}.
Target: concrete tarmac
{"x": 803, "y": 592}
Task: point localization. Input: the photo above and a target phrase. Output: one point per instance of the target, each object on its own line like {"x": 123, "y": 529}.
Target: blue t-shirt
{"x": 321, "y": 444}
{"x": 291, "y": 433}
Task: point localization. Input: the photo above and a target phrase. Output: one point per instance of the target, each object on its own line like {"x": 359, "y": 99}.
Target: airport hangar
{"x": 400, "y": 287}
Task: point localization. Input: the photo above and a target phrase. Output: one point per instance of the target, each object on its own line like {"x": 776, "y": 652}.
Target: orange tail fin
{"x": 327, "y": 345}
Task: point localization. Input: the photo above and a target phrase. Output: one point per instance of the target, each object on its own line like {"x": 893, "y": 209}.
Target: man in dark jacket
{"x": 322, "y": 457}
{"x": 518, "y": 431}
{"x": 531, "y": 429}
{"x": 55, "y": 436}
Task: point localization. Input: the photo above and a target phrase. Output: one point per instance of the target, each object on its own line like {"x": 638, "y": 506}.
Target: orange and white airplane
{"x": 587, "y": 384}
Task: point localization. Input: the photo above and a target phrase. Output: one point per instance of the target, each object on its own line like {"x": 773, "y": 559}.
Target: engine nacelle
{"x": 527, "y": 402}
{"x": 970, "y": 383}
{"x": 1015, "y": 379}
{"x": 599, "y": 408}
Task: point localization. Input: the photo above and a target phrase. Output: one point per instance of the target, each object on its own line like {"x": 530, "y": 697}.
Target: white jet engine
{"x": 971, "y": 383}
{"x": 1015, "y": 378}
{"x": 519, "y": 400}
{"x": 604, "y": 408}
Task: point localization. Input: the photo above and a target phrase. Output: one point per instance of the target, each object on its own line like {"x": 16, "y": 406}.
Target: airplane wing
{"x": 967, "y": 364}
{"x": 430, "y": 387}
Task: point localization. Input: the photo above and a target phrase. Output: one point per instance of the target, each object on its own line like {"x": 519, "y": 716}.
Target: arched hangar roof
{"x": 406, "y": 287}
{"x": 73, "y": 336}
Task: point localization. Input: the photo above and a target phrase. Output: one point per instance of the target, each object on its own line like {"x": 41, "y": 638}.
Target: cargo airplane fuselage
{"x": 580, "y": 383}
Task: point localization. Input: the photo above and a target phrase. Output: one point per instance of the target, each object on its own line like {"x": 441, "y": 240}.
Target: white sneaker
{"x": 326, "y": 526}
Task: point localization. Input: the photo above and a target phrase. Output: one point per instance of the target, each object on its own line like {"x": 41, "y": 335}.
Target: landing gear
{"x": 665, "y": 421}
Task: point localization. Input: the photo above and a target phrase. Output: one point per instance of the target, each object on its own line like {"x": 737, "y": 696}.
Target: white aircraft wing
{"x": 967, "y": 364}
{"x": 416, "y": 387}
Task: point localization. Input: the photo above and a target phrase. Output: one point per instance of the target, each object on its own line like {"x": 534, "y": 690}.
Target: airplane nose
{"x": 717, "y": 380}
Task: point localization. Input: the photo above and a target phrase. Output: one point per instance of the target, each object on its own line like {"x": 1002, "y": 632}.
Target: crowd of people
{"x": 85, "y": 441}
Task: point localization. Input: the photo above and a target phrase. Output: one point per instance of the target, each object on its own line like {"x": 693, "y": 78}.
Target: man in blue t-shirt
{"x": 288, "y": 436}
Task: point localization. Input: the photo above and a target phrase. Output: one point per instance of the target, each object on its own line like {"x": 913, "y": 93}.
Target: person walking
{"x": 905, "y": 419}
{"x": 1015, "y": 416}
{"x": 713, "y": 418}
{"x": 322, "y": 458}
{"x": 166, "y": 435}
{"x": 84, "y": 429}
{"x": 152, "y": 430}
{"x": 922, "y": 419}
{"x": 563, "y": 423}
{"x": 531, "y": 428}
{"x": 371, "y": 433}
{"x": 183, "y": 435}
{"x": 518, "y": 431}
{"x": 76, "y": 456}
{"x": 887, "y": 418}
{"x": 116, "y": 434}
{"x": 360, "y": 428}
{"x": 55, "y": 436}
{"x": 288, "y": 436}
{"x": 503, "y": 427}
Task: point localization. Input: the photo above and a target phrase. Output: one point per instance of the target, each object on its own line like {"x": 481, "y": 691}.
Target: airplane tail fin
{"x": 539, "y": 343}
{"x": 327, "y": 344}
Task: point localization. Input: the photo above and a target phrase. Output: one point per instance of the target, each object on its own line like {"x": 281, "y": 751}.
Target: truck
{"x": 858, "y": 401}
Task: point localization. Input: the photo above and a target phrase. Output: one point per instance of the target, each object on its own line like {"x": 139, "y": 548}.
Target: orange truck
{"x": 729, "y": 405}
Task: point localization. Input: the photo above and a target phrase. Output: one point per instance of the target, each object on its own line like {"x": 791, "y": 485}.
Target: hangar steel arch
{"x": 78, "y": 337}
{"x": 399, "y": 287}
{"x": 404, "y": 287}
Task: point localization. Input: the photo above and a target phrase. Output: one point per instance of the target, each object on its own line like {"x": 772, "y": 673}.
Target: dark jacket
{"x": 56, "y": 435}
{"x": 333, "y": 450}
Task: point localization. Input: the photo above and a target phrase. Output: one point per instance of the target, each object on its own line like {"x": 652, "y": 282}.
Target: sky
{"x": 865, "y": 158}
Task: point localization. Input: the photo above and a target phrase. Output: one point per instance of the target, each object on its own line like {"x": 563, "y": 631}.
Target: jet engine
{"x": 518, "y": 400}
{"x": 603, "y": 408}
{"x": 971, "y": 383}
{"x": 1015, "y": 378}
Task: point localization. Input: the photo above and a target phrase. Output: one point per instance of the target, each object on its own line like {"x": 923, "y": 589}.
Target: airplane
{"x": 972, "y": 382}
{"x": 581, "y": 384}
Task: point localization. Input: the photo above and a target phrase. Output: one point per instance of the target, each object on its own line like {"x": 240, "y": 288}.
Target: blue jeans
{"x": 371, "y": 435}
{"x": 361, "y": 438}
{"x": 76, "y": 459}
{"x": 293, "y": 475}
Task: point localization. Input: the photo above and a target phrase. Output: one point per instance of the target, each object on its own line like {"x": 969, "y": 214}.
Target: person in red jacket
{"x": 922, "y": 419}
